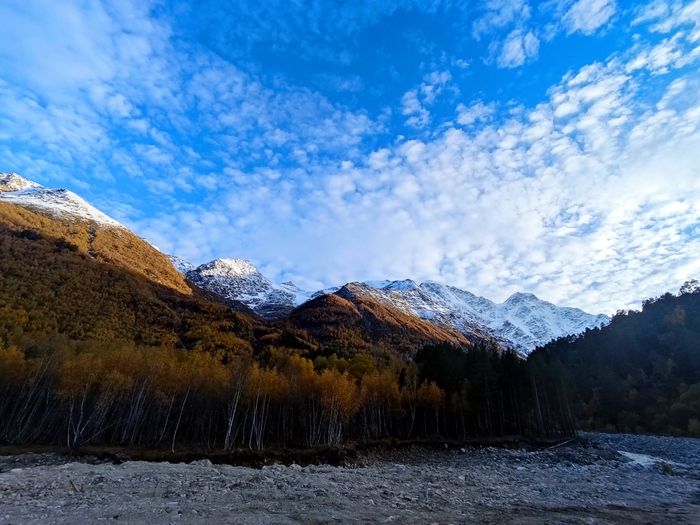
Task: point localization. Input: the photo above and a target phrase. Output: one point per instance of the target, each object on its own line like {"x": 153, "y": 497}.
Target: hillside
{"x": 59, "y": 279}
{"x": 346, "y": 322}
{"x": 24, "y": 205}
{"x": 103, "y": 340}
{"x": 641, "y": 373}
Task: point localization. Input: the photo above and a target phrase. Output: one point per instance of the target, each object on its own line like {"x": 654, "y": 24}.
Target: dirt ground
{"x": 602, "y": 478}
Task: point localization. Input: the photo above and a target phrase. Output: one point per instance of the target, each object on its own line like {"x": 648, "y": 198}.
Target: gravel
{"x": 602, "y": 478}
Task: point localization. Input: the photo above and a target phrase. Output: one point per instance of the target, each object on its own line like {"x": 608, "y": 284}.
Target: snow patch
{"x": 522, "y": 322}
{"x": 181, "y": 265}
{"x": 54, "y": 203}
{"x": 14, "y": 182}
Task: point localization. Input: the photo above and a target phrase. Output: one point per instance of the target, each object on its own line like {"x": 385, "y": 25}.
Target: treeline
{"x": 121, "y": 394}
{"x": 641, "y": 373}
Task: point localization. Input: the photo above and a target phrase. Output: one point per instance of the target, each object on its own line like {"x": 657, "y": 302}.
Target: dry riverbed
{"x": 603, "y": 478}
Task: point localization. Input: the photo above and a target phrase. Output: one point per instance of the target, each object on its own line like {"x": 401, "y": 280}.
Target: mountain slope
{"x": 25, "y": 205}
{"x": 52, "y": 292}
{"x": 351, "y": 320}
{"x": 71, "y": 270}
{"x": 522, "y": 322}
{"x": 59, "y": 203}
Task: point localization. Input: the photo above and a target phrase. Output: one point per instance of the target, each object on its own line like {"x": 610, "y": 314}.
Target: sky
{"x": 498, "y": 146}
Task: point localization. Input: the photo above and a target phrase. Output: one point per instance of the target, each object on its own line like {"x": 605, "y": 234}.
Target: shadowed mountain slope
{"x": 347, "y": 322}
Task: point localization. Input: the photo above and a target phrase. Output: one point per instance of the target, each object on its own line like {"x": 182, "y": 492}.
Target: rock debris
{"x": 602, "y": 478}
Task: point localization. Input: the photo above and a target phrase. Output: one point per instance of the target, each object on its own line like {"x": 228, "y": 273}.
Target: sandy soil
{"x": 603, "y": 478}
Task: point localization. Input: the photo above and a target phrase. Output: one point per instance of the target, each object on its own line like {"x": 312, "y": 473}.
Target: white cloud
{"x": 586, "y": 16}
{"x": 419, "y": 117}
{"x": 498, "y": 14}
{"x": 589, "y": 198}
{"x": 517, "y": 49}
{"x": 103, "y": 88}
{"x": 668, "y": 16}
{"x": 476, "y": 112}
{"x": 414, "y": 101}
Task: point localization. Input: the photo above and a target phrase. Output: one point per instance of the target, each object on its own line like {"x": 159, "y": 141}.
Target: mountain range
{"x": 522, "y": 321}
{"x": 388, "y": 310}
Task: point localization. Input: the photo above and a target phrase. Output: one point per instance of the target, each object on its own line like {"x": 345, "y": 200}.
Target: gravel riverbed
{"x": 602, "y": 478}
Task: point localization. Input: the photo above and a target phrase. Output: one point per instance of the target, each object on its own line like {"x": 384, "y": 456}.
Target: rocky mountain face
{"x": 522, "y": 322}
{"x": 238, "y": 280}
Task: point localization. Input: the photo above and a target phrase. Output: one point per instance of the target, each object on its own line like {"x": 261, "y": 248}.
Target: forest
{"x": 641, "y": 373}
{"x": 117, "y": 393}
{"x": 96, "y": 352}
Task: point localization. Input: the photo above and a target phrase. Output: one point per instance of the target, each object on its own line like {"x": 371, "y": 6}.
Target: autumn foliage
{"x": 95, "y": 348}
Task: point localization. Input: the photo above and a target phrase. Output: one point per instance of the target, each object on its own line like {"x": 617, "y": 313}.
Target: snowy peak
{"x": 59, "y": 203}
{"x": 231, "y": 268}
{"x": 401, "y": 286}
{"x": 14, "y": 182}
{"x": 523, "y": 321}
{"x": 523, "y": 297}
{"x": 181, "y": 265}
{"x": 378, "y": 284}
{"x": 239, "y": 280}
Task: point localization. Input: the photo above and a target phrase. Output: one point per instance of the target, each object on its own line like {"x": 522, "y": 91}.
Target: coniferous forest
{"x": 641, "y": 373}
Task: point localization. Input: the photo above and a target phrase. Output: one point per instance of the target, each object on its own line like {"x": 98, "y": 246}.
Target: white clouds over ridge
{"x": 589, "y": 198}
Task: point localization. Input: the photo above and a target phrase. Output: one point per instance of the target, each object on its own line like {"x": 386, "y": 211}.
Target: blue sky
{"x": 499, "y": 146}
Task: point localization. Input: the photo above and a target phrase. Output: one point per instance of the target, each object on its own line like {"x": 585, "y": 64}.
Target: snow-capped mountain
{"x": 15, "y": 189}
{"x": 181, "y": 265}
{"x": 239, "y": 280}
{"x": 522, "y": 321}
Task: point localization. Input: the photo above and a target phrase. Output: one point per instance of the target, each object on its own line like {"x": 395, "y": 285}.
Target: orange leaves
{"x": 381, "y": 387}
{"x": 78, "y": 373}
{"x": 262, "y": 383}
{"x": 338, "y": 393}
{"x": 173, "y": 372}
{"x": 431, "y": 396}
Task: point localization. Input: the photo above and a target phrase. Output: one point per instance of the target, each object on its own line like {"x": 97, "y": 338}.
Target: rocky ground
{"x": 602, "y": 478}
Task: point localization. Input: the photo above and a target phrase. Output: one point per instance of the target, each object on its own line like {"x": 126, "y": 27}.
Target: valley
{"x": 329, "y": 262}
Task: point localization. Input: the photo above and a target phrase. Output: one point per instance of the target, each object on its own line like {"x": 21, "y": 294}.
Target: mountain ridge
{"x": 522, "y": 321}
{"x": 15, "y": 189}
